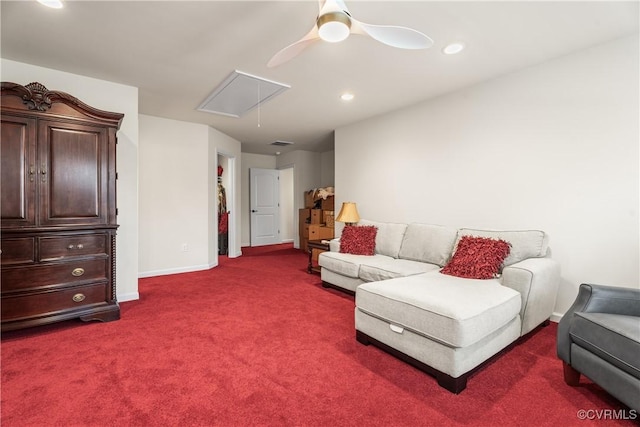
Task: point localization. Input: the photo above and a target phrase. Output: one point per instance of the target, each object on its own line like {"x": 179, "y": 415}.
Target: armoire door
{"x": 18, "y": 171}
{"x": 73, "y": 174}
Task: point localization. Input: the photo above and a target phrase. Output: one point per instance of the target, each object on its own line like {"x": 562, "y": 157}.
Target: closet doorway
{"x": 225, "y": 206}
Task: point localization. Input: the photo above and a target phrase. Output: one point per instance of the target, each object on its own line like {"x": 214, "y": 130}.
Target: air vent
{"x": 282, "y": 143}
{"x": 239, "y": 93}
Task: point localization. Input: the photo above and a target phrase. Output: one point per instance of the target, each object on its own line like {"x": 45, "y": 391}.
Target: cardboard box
{"x": 319, "y": 232}
{"x": 328, "y": 204}
{"x": 329, "y": 219}
{"x": 310, "y": 216}
{"x": 308, "y": 199}
{"x": 304, "y": 216}
{"x": 316, "y": 216}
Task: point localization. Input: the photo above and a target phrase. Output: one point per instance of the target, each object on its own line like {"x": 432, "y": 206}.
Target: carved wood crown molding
{"x": 35, "y": 96}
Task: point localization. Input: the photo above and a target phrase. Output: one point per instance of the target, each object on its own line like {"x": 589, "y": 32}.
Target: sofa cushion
{"x": 451, "y": 310}
{"x": 477, "y": 258}
{"x": 524, "y": 243}
{"x": 390, "y": 268}
{"x": 388, "y": 238}
{"x": 613, "y": 337}
{"x": 340, "y": 281}
{"x": 346, "y": 264}
{"x": 428, "y": 243}
{"x": 358, "y": 240}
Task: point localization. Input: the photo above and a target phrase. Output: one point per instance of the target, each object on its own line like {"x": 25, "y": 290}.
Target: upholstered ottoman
{"x": 444, "y": 325}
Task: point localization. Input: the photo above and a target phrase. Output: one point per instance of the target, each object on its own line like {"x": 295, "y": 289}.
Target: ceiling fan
{"x": 335, "y": 23}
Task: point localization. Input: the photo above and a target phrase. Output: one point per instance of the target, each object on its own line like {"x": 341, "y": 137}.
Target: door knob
{"x": 253, "y": 210}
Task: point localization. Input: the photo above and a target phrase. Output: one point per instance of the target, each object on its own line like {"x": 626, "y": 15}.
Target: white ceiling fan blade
{"x": 294, "y": 49}
{"x": 402, "y": 37}
{"x": 327, "y": 6}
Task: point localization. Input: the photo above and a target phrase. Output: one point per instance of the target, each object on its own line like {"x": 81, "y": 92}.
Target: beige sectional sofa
{"x": 447, "y": 326}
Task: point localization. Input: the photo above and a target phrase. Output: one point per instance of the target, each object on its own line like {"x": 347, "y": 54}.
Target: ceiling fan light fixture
{"x": 334, "y": 27}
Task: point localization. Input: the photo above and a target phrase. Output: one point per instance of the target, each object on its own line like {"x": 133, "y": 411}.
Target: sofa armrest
{"x": 596, "y": 299}
{"x": 334, "y": 245}
{"x": 537, "y": 280}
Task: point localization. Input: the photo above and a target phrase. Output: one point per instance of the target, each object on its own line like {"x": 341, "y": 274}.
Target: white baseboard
{"x": 555, "y": 317}
{"x": 236, "y": 255}
{"x": 132, "y": 296}
{"x": 153, "y": 273}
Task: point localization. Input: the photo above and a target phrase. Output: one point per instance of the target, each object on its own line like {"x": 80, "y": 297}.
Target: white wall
{"x": 110, "y": 97}
{"x": 178, "y": 195}
{"x": 552, "y": 147}
{"x": 307, "y": 166}
{"x": 288, "y": 211}
{"x": 327, "y": 169}
{"x": 310, "y": 170}
{"x": 173, "y": 196}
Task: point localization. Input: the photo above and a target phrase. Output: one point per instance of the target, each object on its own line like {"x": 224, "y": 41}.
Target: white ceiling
{"x": 177, "y": 52}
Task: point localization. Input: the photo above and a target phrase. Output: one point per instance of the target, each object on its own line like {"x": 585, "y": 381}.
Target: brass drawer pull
{"x": 77, "y": 272}
{"x": 78, "y": 298}
{"x": 78, "y": 246}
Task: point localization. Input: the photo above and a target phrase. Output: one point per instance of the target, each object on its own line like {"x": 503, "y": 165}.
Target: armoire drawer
{"x": 14, "y": 278}
{"x": 54, "y": 248}
{"x": 24, "y": 306}
{"x": 18, "y": 250}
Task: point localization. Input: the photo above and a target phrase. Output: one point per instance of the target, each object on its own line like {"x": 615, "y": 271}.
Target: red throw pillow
{"x": 477, "y": 258}
{"x": 358, "y": 240}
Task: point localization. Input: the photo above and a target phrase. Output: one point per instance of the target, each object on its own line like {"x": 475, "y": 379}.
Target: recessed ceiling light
{"x": 346, "y": 96}
{"x": 54, "y": 4}
{"x": 453, "y": 48}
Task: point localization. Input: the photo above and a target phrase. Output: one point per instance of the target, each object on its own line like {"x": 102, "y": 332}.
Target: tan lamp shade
{"x": 348, "y": 213}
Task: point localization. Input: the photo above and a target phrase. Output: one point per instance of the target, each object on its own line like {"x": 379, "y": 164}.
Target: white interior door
{"x": 265, "y": 210}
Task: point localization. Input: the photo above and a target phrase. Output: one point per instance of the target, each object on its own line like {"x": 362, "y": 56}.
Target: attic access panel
{"x": 239, "y": 93}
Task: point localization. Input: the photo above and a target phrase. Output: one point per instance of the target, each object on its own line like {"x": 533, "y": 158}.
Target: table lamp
{"x": 348, "y": 213}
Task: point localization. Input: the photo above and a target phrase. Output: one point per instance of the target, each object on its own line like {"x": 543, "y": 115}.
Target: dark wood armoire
{"x": 58, "y": 208}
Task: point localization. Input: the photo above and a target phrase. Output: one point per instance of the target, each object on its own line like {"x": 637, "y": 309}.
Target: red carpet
{"x": 258, "y": 341}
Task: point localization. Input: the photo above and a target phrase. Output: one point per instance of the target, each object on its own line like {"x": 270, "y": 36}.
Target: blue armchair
{"x": 599, "y": 337}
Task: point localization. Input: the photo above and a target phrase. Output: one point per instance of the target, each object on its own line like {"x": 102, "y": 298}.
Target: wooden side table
{"x": 315, "y": 248}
